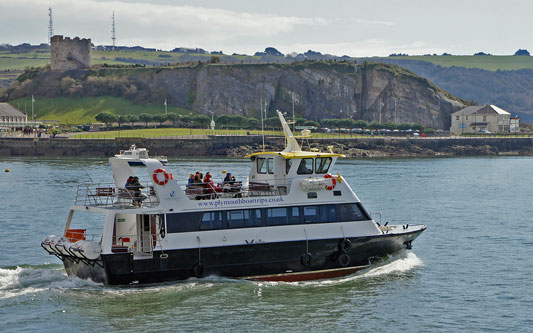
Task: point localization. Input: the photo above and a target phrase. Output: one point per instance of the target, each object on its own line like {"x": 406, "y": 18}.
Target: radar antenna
{"x": 113, "y": 37}
{"x": 50, "y": 25}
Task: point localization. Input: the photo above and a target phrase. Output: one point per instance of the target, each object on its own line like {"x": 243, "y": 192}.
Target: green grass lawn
{"x": 166, "y": 132}
{"x": 83, "y": 110}
{"x": 491, "y": 63}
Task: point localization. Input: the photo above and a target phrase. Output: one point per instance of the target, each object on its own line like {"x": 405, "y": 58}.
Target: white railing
{"x": 107, "y": 195}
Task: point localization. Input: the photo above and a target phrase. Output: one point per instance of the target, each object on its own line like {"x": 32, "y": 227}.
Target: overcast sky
{"x": 356, "y": 28}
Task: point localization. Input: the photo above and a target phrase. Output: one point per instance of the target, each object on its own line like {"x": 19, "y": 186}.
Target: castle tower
{"x": 67, "y": 53}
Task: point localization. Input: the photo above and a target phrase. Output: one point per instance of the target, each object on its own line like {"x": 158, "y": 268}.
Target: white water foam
{"x": 400, "y": 263}
{"x": 21, "y": 281}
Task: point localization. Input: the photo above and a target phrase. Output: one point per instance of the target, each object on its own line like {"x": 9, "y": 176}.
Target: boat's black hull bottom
{"x": 286, "y": 261}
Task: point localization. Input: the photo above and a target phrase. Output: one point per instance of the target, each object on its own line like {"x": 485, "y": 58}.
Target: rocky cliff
{"x": 371, "y": 91}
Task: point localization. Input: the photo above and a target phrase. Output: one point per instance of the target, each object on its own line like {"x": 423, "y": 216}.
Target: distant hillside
{"x": 372, "y": 91}
{"x": 511, "y": 90}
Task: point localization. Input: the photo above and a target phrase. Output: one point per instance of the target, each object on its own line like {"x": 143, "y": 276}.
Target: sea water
{"x": 469, "y": 271}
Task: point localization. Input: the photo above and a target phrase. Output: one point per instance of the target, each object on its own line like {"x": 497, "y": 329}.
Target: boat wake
{"x": 397, "y": 264}
{"x": 22, "y": 280}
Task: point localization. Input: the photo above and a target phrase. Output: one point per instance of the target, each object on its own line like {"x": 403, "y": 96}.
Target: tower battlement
{"x": 69, "y": 53}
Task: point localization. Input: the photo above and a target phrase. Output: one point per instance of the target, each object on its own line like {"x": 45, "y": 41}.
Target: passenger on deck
{"x": 190, "y": 181}
{"x": 229, "y": 179}
{"x": 197, "y": 179}
{"x": 135, "y": 186}
{"x": 130, "y": 178}
{"x": 208, "y": 179}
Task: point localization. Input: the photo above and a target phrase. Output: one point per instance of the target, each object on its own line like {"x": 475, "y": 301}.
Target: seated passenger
{"x": 229, "y": 179}
{"x": 208, "y": 179}
{"x": 190, "y": 181}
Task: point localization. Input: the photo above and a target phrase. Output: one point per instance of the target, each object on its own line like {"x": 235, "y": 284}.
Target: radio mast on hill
{"x": 50, "y": 25}
{"x": 113, "y": 30}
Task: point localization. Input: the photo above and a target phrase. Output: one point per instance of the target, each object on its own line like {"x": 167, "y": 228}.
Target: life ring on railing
{"x": 333, "y": 182}
{"x": 155, "y": 176}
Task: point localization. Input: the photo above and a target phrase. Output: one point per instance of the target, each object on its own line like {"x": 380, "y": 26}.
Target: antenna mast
{"x": 50, "y": 25}
{"x": 113, "y": 30}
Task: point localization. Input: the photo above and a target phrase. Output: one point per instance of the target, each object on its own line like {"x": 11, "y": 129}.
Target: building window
{"x": 484, "y": 118}
{"x": 456, "y": 117}
{"x": 466, "y": 117}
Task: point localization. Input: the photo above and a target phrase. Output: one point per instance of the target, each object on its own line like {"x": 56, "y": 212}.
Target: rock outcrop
{"x": 373, "y": 92}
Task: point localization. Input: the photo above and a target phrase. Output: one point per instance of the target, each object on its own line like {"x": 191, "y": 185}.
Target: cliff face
{"x": 373, "y": 92}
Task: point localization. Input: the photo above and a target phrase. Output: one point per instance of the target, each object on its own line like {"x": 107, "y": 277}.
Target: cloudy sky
{"x": 351, "y": 27}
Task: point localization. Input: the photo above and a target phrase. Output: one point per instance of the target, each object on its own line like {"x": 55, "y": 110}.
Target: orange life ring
{"x": 156, "y": 177}
{"x": 333, "y": 182}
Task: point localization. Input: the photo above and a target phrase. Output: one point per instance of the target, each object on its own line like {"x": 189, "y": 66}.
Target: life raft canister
{"x": 333, "y": 182}
{"x": 155, "y": 176}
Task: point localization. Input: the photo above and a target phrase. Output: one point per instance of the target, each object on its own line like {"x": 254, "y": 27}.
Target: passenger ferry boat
{"x": 135, "y": 156}
{"x": 290, "y": 220}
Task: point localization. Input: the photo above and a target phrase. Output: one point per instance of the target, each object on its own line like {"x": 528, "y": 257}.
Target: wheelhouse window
{"x": 211, "y": 221}
{"x": 322, "y": 164}
{"x": 306, "y": 166}
{"x": 288, "y": 164}
{"x": 265, "y": 165}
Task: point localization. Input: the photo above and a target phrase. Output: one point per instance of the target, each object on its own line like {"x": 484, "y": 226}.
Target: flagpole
{"x": 166, "y": 107}
{"x": 32, "y": 114}
{"x": 262, "y": 123}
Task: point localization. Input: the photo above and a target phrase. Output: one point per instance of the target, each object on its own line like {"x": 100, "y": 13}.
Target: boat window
{"x": 311, "y": 214}
{"x": 236, "y": 218}
{"x": 252, "y": 218}
{"x": 294, "y": 215}
{"x": 351, "y": 212}
{"x": 211, "y": 220}
{"x": 265, "y": 165}
{"x": 183, "y": 222}
{"x": 306, "y": 166}
{"x": 322, "y": 164}
{"x": 127, "y": 153}
{"x": 276, "y": 216}
{"x": 288, "y": 164}
{"x": 328, "y": 213}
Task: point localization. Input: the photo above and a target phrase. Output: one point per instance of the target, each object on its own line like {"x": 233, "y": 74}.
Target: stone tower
{"x": 67, "y": 53}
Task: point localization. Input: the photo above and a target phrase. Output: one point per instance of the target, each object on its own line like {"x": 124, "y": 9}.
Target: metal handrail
{"x": 108, "y": 195}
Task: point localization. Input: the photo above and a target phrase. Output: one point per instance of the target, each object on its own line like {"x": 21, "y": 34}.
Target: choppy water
{"x": 470, "y": 270}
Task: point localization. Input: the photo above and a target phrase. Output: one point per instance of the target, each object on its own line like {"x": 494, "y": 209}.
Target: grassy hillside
{"x": 83, "y": 110}
{"x": 490, "y": 63}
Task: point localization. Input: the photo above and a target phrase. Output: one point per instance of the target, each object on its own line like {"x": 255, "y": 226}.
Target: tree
{"x": 273, "y": 52}
{"x": 122, "y": 119}
{"x": 106, "y": 117}
{"x": 160, "y": 118}
{"x": 187, "y": 120}
{"x": 224, "y": 120}
{"x": 146, "y": 117}
{"x": 253, "y": 123}
{"x": 214, "y": 59}
{"x": 311, "y": 123}
{"x": 201, "y": 120}
{"x": 133, "y": 118}
{"x": 522, "y": 52}
{"x": 173, "y": 117}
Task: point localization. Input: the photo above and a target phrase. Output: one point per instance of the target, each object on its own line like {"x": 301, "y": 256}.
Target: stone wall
{"x": 239, "y": 146}
{"x": 67, "y": 53}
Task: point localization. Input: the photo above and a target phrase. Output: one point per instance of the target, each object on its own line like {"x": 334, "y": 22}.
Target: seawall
{"x": 238, "y": 146}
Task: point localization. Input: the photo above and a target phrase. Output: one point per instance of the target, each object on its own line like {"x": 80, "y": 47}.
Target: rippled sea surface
{"x": 471, "y": 270}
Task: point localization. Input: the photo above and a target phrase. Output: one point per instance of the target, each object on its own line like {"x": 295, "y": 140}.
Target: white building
{"x": 10, "y": 117}
{"x": 481, "y": 118}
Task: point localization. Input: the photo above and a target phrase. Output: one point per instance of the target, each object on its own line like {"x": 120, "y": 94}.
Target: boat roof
{"x": 296, "y": 154}
{"x": 293, "y": 149}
